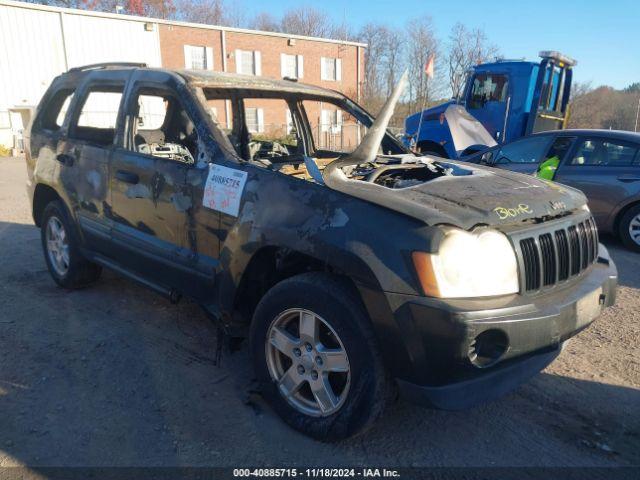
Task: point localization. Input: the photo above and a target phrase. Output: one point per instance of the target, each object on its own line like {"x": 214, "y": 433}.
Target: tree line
{"x": 605, "y": 107}
{"x": 390, "y": 50}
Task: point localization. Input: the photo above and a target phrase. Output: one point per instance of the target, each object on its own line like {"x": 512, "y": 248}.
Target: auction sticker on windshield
{"x": 223, "y": 189}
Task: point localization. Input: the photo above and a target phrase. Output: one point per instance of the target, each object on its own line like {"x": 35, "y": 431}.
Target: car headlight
{"x": 481, "y": 263}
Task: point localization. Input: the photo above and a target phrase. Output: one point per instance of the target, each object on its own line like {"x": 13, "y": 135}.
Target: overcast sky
{"x": 603, "y": 35}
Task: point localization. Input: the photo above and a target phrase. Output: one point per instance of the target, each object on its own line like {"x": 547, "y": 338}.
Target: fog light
{"x": 488, "y": 347}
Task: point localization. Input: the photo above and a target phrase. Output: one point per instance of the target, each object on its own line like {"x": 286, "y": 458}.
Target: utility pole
{"x": 635, "y": 129}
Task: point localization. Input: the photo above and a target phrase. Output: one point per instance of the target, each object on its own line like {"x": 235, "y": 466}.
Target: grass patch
{"x": 4, "y": 151}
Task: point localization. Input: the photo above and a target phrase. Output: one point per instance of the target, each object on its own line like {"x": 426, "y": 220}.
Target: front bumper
{"x": 441, "y": 337}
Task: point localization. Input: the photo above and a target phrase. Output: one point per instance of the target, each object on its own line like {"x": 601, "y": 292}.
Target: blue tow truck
{"x": 501, "y": 101}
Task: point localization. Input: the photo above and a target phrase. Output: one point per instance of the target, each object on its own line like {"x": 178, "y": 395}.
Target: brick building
{"x": 60, "y": 38}
{"x": 337, "y": 65}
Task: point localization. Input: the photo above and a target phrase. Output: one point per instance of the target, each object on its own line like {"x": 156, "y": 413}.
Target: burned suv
{"x": 355, "y": 268}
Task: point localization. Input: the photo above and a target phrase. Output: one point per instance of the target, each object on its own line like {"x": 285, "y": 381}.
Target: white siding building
{"x": 39, "y": 42}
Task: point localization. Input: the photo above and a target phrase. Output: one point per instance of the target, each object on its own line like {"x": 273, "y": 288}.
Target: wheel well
{"x": 42, "y": 196}
{"x": 429, "y": 146}
{"x": 268, "y": 267}
{"x": 623, "y": 210}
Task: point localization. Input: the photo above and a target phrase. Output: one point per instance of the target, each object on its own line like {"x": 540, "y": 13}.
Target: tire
{"x": 68, "y": 267}
{"x": 429, "y": 149}
{"x": 361, "y": 393}
{"x": 629, "y": 222}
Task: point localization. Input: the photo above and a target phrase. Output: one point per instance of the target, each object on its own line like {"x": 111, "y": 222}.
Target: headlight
{"x": 477, "y": 264}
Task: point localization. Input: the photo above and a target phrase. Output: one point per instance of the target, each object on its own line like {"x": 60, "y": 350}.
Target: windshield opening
{"x": 283, "y": 130}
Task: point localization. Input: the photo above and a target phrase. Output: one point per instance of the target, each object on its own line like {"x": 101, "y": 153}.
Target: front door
{"x": 522, "y": 155}
{"x": 156, "y": 185}
{"x": 605, "y": 171}
{"x": 487, "y": 101}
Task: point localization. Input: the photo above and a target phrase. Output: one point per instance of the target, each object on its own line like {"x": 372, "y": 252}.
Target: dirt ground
{"x": 115, "y": 375}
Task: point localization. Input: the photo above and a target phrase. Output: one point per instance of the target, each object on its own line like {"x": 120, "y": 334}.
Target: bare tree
{"x": 394, "y": 42}
{"x": 306, "y": 21}
{"x": 422, "y": 44}
{"x": 373, "y": 35}
{"x": 466, "y": 48}
{"x": 266, "y": 22}
{"x": 211, "y": 12}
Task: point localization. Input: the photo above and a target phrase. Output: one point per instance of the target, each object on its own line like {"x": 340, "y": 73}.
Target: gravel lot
{"x": 115, "y": 375}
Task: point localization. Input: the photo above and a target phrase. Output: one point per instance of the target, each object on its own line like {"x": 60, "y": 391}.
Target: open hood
{"x": 440, "y": 191}
{"x": 465, "y": 130}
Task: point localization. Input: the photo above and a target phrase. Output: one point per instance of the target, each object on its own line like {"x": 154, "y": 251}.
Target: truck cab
{"x": 509, "y": 98}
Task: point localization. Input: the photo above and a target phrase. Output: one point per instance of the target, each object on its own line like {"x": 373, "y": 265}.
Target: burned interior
{"x": 302, "y": 147}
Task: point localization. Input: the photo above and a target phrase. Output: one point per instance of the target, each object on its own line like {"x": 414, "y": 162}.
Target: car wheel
{"x": 316, "y": 358}
{"x": 66, "y": 264}
{"x": 629, "y": 228}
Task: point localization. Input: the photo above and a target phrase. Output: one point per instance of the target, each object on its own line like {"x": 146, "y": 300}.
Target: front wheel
{"x": 316, "y": 357}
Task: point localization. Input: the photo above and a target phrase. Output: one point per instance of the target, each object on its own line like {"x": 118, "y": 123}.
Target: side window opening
{"x": 162, "y": 128}
{"x": 529, "y": 150}
{"x": 271, "y": 129}
{"x": 97, "y": 116}
{"x": 55, "y": 111}
{"x": 333, "y": 128}
{"x": 594, "y": 152}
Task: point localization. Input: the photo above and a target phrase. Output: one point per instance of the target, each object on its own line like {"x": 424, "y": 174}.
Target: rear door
{"x": 606, "y": 170}
{"x": 84, "y": 155}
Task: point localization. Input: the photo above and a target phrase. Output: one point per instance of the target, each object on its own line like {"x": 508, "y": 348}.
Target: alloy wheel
{"x": 308, "y": 361}
{"x": 634, "y": 229}
{"x": 57, "y": 246}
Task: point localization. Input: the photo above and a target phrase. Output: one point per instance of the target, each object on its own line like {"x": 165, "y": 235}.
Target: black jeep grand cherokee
{"x": 353, "y": 266}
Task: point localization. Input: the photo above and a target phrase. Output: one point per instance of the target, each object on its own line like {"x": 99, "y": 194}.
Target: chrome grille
{"x": 555, "y": 256}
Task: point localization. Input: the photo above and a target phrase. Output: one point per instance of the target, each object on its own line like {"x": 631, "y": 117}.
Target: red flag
{"x": 428, "y": 68}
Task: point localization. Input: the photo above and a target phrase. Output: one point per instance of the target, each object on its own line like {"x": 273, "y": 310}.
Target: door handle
{"x": 65, "y": 159}
{"x": 629, "y": 178}
{"x": 127, "y": 177}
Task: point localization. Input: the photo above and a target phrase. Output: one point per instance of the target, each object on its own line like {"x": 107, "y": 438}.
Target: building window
{"x": 331, "y": 69}
{"x": 255, "y": 119}
{"x": 198, "y": 58}
{"x": 248, "y": 62}
{"x": 330, "y": 121}
{"x": 291, "y": 66}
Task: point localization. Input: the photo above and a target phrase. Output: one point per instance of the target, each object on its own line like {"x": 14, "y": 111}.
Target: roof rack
{"x": 99, "y": 66}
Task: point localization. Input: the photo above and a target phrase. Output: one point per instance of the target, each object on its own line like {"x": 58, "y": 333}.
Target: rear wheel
{"x": 629, "y": 228}
{"x": 316, "y": 358}
{"x": 66, "y": 264}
